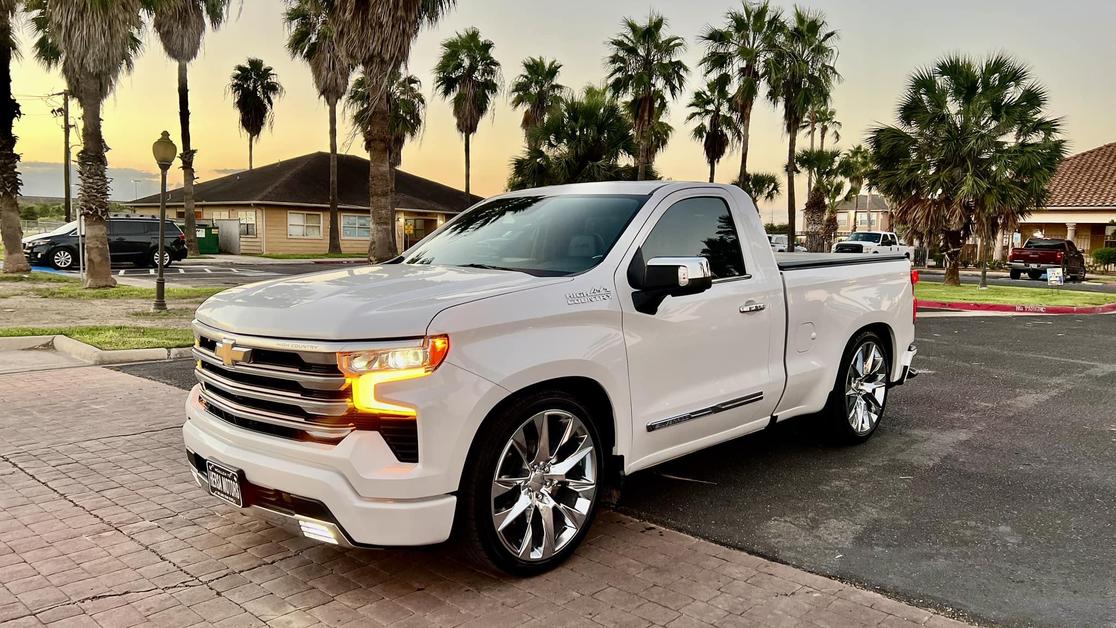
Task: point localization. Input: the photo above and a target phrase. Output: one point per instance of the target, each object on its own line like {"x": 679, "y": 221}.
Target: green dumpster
{"x": 207, "y": 239}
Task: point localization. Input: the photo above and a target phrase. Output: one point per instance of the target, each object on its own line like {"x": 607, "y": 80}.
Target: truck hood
{"x": 357, "y": 302}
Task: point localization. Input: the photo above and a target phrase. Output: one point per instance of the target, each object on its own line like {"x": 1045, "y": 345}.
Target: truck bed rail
{"x": 799, "y": 261}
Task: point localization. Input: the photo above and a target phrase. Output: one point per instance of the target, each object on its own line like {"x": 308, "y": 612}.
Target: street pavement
{"x": 989, "y": 488}
{"x": 1105, "y": 284}
{"x": 102, "y": 525}
{"x": 204, "y": 275}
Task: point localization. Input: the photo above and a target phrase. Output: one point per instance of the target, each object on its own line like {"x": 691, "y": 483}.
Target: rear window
{"x": 1045, "y": 244}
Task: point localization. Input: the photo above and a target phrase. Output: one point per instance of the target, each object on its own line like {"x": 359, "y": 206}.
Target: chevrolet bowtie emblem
{"x": 230, "y": 353}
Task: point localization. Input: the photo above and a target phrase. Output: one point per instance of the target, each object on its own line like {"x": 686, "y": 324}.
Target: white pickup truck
{"x": 874, "y": 242}
{"x": 505, "y": 371}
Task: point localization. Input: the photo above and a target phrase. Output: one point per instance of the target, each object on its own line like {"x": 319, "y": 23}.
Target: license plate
{"x": 1033, "y": 265}
{"x": 224, "y": 483}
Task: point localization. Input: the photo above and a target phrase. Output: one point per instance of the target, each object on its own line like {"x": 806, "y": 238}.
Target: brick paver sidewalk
{"x": 102, "y": 525}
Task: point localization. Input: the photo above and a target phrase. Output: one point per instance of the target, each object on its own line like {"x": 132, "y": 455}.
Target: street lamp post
{"x": 164, "y": 151}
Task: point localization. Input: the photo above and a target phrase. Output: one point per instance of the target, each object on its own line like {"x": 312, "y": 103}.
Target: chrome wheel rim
{"x": 63, "y": 259}
{"x": 866, "y": 388}
{"x": 166, "y": 259}
{"x": 544, "y": 486}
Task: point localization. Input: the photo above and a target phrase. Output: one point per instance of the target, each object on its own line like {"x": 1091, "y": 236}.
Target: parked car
{"x": 778, "y": 243}
{"x": 1037, "y": 255}
{"x": 498, "y": 376}
{"x": 873, "y": 242}
{"x": 131, "y": 239}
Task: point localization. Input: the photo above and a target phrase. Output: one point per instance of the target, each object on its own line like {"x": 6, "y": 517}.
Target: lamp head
{"x": 164, "y": 151}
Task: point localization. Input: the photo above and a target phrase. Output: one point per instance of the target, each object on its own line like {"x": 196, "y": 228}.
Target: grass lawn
{"x": 313, "y": 255}
{"x": 38, "y": 277}
{"x": 75, "y": 291}
{"x": 1010, "y": 296}
{"x": 113, "y": 337}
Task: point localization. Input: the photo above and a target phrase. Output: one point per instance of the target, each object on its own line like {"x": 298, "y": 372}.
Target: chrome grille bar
{"x": 313, "y": 406}
{"x": 306, "y": 380}
{"x": 325, "y": 431}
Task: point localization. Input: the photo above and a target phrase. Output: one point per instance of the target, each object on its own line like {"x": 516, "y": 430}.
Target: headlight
{"x": 38, "y": 244}
{"x": 366, "y": 369}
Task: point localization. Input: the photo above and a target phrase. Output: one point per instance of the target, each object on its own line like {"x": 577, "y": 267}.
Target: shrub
{"x": 1105, "y": 256}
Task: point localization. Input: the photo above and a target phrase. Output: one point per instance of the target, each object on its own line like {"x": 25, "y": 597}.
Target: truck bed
{"x": 798, "y": 261}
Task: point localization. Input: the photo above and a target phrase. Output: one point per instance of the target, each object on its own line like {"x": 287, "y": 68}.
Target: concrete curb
{"x": 1017, "y": 309}
{"x": 90, "y": 354}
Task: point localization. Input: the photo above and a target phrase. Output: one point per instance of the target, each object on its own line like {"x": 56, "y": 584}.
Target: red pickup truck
{"x": 1037, "y": 255}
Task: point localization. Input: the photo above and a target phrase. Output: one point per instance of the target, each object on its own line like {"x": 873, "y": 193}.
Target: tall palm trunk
{"x": 14, "y": 261}
{"x": 712, "y": 170}
{"x": 810, "y": 172}
{"x": 791, "y": 131}
{"x": 334, "y": 219}
{"x": 93, "y": 197}
{"x": 952, "y": 243}
{"x": 745, "y": 132}
{"x": 187, "y": 160}
{"x": 467, "y": 165}
{"x": 250, "y": 142}
{"x": 382, "y": 245}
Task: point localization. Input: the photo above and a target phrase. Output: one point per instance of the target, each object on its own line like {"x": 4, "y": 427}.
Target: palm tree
{"x": 14, "y": 261}
{"x": 92, "y": 43}
{"x": 588, "y": 138}
{"x": 310, "y": 38}
{"x": 377, "y": 36}
{"x": 741, "y": 48}
{"x": 643, "y": 65}
{"x": 255, "y": 88}
{"x": 180, "y": 25}
{"x": 856, "y": 165}
{"x": 469, "y": 74}
{"x": 760, "y": 186}
{"x": 820, "y": 117}
{"x": 538, "y": 91}
{"x": 716, "y": 128}
{"x": 800, "y": 73}
{"x": 828, "y": 189}
{"x": 999, "y": 152}
{"x": 406, "y": 117}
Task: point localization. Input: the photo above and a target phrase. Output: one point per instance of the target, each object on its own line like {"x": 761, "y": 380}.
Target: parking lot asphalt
{"x": 989, "y": 488}
{"x": 204, "y": 275}
{"x": 1091, "y": 284}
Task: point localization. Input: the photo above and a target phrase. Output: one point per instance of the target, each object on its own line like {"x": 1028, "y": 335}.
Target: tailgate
{"x": 1035, "y": 256}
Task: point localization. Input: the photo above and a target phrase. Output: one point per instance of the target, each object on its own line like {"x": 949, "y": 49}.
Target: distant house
{"x": 863, "y": 213}
{"x": 1082, "y": 202}
{"x": 284, "y": 207}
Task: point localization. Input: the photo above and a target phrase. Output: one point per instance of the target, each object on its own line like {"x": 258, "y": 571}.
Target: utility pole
{"x": 68, "y": 204}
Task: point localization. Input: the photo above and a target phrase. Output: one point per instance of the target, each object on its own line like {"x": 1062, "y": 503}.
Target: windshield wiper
{"x": 491, "y": 267}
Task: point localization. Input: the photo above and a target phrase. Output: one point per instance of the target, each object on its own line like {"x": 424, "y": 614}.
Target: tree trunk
{"x": 187, "y": 157}
{"x": 745, "y": 132}
{"x": 951, "y": 251}
{"x": 810, "y": 173}
{"x": 250, "y": 138}
{"x": 790, "y": 188}
{"x": 382, "y": 245}
{"x": 334, "y": 219}
{"x": 93, "y": 203}
{"x": 712, "y": 170}
{"x": 12, "y": 234}
{"x": 467, "y": 157}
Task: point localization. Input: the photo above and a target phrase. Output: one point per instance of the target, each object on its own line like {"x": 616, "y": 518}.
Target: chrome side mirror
{"x": 661, "y": 277}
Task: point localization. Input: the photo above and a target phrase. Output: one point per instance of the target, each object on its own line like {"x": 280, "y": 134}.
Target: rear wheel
{"x": 1015, "y": 274}
{"x": 530, "y": 490}
{"x": 859, "y": 395}
{"x": 63, "y": 258}
{"x": 153, "y": 258}
{"x": 1034, "y": 274}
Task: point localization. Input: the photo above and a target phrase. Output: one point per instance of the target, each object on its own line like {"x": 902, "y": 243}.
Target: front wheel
{"x": 530, "y": 489}
{"x": 63, "y": 258}
{"x": 859, "y": 395}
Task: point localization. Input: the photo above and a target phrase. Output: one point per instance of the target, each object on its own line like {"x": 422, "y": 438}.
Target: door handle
{"x": 752, "y": 306}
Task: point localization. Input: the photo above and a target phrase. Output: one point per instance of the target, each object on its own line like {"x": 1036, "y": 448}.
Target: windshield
{"x": 65, "y": 229}
{"x": 865, "y": 237}
{"x": 538, "y": 235}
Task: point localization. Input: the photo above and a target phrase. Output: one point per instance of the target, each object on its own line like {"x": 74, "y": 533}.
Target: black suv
{"x": 133, "y": 239}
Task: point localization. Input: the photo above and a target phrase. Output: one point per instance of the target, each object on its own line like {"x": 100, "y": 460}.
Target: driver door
{"x": 704, "y": 367}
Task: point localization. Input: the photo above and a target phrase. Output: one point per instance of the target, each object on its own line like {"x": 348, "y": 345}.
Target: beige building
{"x": 284, "y": 207}
{"x": 1082, "y": 203}
{"x": 863, "y": 213}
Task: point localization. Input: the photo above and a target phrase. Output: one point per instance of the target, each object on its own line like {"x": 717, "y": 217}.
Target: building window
{"x": 355, "y": 226}
{"x": 248, "y": 222}
{"x": 304, "y": 225}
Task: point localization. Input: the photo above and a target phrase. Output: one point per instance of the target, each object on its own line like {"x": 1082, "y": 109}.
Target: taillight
{"x": 914, "y": 301}
{"x": 181, "y": 237}
{"x": 1060, "y": 255}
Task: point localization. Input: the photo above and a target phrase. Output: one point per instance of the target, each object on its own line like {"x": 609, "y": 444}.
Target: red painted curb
{"x": 1017, "y": 309}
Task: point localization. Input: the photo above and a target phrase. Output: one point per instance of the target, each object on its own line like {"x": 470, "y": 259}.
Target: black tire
{"x": 1015, "y": 274}
{"x": 475, "y": 523}
{"x": 153, "y": 259}
{"x": 1034, "y": 274}
{"x": 63, "y": 258}
{"x": 837, "y": 414}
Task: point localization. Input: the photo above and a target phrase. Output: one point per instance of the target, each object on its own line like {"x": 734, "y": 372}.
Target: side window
{"x": 127, "y": 227}
{"x": 694, "y": 227}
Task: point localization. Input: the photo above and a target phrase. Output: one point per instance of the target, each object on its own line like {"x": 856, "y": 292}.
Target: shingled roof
{"x": 305, "y": 181}
{"x": 1086, "y": 179}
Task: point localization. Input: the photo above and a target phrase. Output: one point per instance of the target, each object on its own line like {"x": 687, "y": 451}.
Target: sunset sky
{"x": 1068, "y": 45}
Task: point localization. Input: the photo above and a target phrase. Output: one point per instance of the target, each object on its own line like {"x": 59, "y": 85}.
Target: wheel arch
{"x": 886, "y": 333}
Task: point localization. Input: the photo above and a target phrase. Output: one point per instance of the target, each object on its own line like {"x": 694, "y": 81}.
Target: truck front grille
{"x": 849, "y": 248}
{"x": 299, "y": 395}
